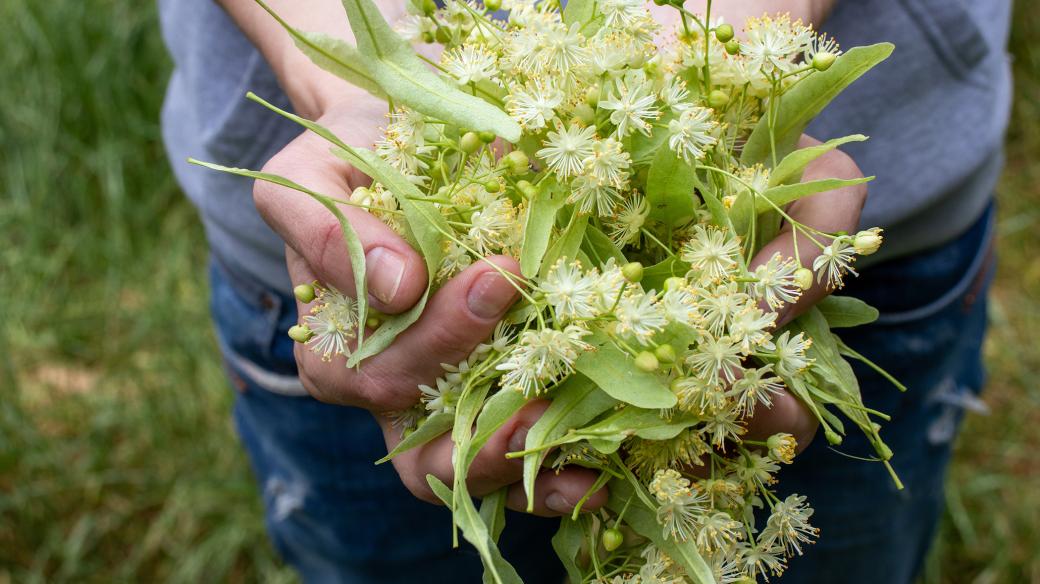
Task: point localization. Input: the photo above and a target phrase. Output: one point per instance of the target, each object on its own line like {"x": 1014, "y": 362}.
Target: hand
{"x": 832, "y": 211}
{"x": 460, "y": 315}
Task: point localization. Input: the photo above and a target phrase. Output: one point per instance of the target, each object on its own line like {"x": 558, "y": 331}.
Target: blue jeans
{"x": 336, "y": 517}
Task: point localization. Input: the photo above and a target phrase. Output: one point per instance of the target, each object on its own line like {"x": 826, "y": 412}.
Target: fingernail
{"x": 490, "y": 295}
{"x": 518, "y": 440}
{"x": 385, "y": 270}
{"x": 558, "y": 503}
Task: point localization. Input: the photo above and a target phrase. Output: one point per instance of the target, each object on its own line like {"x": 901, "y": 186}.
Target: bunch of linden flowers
{"x": 634, "y": 172}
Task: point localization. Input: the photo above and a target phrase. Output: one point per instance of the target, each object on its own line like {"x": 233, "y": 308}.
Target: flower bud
{"x": 833, "y": 438}
{"x": 585, "y": 114}
{"x": 612, "y": 539}
{"x": 592, "y": 96}
{"x": 493, "y": 5}
{"x": 528, "y": 190}
{"x": 470, "y": 142}
{"x": 304, "y": 293}
{"x": 428, "y": 7}
{"x": 373, "y": 322}
{"x": 782, "y": 447}
{"x": 733, "y": 47}
{"x": 867, "y": 241}
{"x": 361, "y": 196}
{"x": 442, "y": 35}
{"x": 665, "y": 353}
{"x": 300, "y": 333}
{"x": 823, "y": 60}
{"x": 803, "y": 278}
{"x": 632, "y": 271}
{"x": 674, "y": 283}
{"x": 486, "y": 136}
{"x": 427, "y": 37}
{"x": 724, "y": 33}
{"x": 646, "y": 361}
{"x": 718, "y": 99}
{"x": 492, "y": 186}
{"x": 660, "y": 2}
{"x": 884, "y": 452}
{"x": 516, "y": 162}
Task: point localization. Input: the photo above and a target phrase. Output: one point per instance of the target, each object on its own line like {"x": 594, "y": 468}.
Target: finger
{"x": 830, "y": 212}
{"x": 786, "y": 414}
{"x": 395, "y": 274}
{"x": 460, "y": 315}
{"x": 490, "y": 470}
{"x": 557, "y": 494}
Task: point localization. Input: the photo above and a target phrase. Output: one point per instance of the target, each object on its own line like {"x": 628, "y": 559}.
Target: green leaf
{"x": 567, "y": 543}
{"x": 581, "y": 12}
{"x": 568, "y": 244}
{"x": 331, "y": 54}
{"x": 355, "y": 249}
{"x": 574, "y": 402}
{"x": 803, "y": 102}
{"x": 497, "y": 410}
{"x": 607, "y": 434}
{"x": 493, "y": 512}
{"x": 645, "y": 148}
{"x": 616, "y": 374}
{"x": 790, "y": 168}
{"x": 541, "y": 216}
{"x": 846, "y": 311}
{"x": 643, "y": 520}
{"x": 430, "y": 428}
{"x": 406, "y": 79}
{"x": 476, "y": 532}
{"x": 600, "y": 248}
{"x": 783, "y": 194}
{"x": 670, "y": 188}
{"x": 655, "y": 276}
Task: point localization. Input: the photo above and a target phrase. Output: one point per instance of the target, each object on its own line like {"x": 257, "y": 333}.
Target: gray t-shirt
{"x": 936, "y": 112}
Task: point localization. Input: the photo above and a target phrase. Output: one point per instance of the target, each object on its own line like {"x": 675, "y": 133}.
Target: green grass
{"x": 118, "y": 461}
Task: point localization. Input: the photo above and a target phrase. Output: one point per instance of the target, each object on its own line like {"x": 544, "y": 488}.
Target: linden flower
{"x": 790, "y": 353}
{"x": 490, "y": 227}
{"x": 608, "y": 163}
{"x": 471, "y": 64}
{"x": 562, "y": 50}
{"x": 718, "y": 531}
{"x": 835, "y": 260}
{"x": 716, "y": 359}
{"x": 750, "y": 328}
{"x": 589, "y": 194}
{"x": 533, "y": 105}
{"x": 720, "y": 304}
{"x": 782, "y": 447}
{"x": 711, "y": 253}
{"x": 334, "y": 322}
{"x": 567, "y": 148}
{"x": 692, "y": 133}
{"x": 632, "y": 101}
{"x": 571, "y": 292}
{"x": 542, "y": 357}
{"x": 788, "y": 526}
{"x": 681, "y": 508}
{"x": 757, "y": 386}
{"x": 629, "y": 222}
{"x": 640, "y": 315}
{"x": 621, "y": 13}
{"x": 772, "y": 42}
{"x": 760, "y": 560}
{"x": 775, "y": 281}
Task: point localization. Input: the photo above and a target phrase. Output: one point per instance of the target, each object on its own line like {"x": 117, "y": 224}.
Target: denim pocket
{"x": 246, "y": 320}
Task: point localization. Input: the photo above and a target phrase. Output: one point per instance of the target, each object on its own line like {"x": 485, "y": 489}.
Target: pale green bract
{"x": 635, "y": 183}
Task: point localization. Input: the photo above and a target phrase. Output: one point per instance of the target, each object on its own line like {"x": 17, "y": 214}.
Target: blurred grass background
{"x": 118, "y": 461}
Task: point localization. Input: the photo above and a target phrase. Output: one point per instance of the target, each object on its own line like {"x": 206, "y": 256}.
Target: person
{"x": 936, "y": 112}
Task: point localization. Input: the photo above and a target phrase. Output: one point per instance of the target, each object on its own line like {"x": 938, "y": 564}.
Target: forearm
{"x": 310, "y": 88}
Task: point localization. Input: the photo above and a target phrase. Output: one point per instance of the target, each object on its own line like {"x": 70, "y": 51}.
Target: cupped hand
{"x": 460, "y": 315}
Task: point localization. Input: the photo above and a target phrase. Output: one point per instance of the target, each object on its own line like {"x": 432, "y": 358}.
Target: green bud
{"x": 493, "y": 5}
{"x": 470, "y": 142}
{"x": 632, "y": 271}
{"x": 300, "y": 333}
{"x": 718, "y": 99}
{"x": 492, "y": 186}
{"x": 528, "y": 190}
{"x": 674, "y": 283}
{"x": 724, "y": 33}
{"x": 487, "y": 137}
{"x": 646, "y": 361}
{"x": 823, "y": 60}
{"x": 884, "y": 452}
{"x": 373, "y": 322}
{"x": 867, "y": 241}
{"x": 428, "y": 7}
{"x": 427, "y": 37}
{"x": 442, "y": 35}
{"x": 304, "y": 293}
{"x": 592, "y": 96}
{"x": 733, "y": 47}
{"x": 803, "y": 278}
{"x": 660, "y": 2}
{"x": 516, "y": 162}
{"x": 833, "y": 438}
{"x": 585, "y": 113}
{"x": 612, "y": 539}
{"x": 665, "y": 353}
